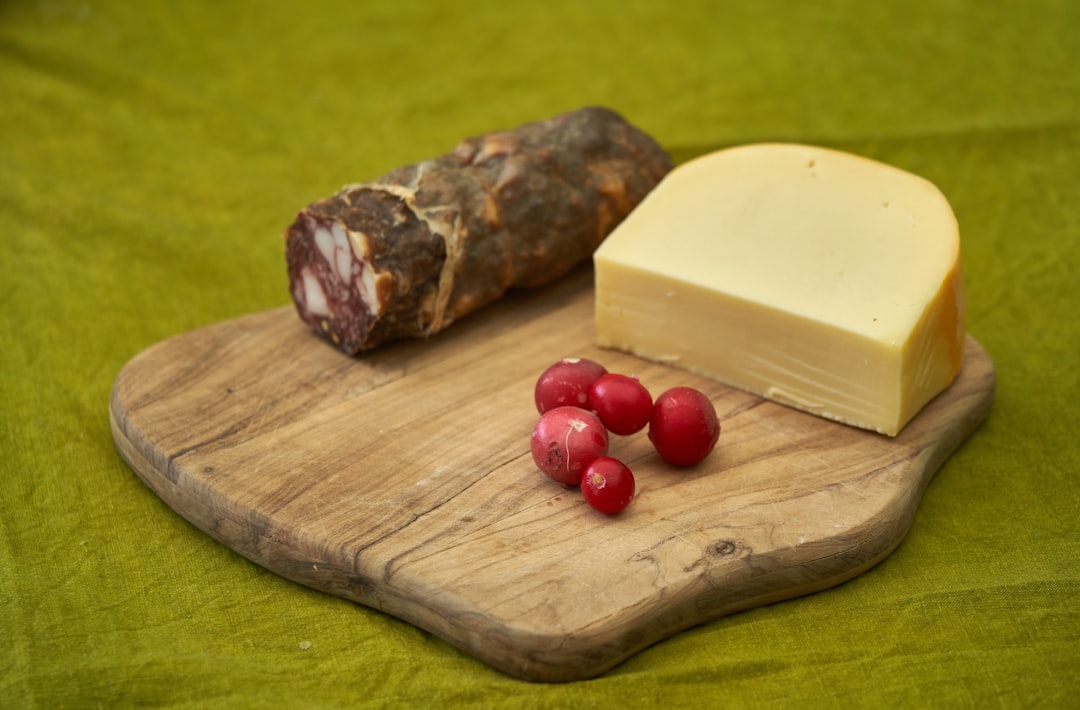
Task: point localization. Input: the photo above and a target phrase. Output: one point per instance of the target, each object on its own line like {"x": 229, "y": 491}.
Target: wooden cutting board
{"x": 403, "y": 480}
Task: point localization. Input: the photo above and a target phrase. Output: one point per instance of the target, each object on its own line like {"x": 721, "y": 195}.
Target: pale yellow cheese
{"x": 816, "y": 278}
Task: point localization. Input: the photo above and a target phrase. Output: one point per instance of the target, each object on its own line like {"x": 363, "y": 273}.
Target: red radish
{"x": 684, "y": 427}
{"x": 565, "y": 441}
{"x": 608, "y": 485}
{"x": 566, "y": 383}
{"x": 622, "y": 403}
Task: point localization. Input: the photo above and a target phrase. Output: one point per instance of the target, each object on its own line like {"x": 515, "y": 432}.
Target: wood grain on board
{"x": 402, "y": 480}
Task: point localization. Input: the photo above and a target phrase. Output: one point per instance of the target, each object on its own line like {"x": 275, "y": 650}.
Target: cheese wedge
{"x": 815, "y": 278}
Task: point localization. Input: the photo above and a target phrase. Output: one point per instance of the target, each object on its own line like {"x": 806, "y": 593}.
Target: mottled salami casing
{"x": 408, "y": 254}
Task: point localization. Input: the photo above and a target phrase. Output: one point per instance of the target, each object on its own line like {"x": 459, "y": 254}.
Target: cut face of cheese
{"x": 815, "y": 278}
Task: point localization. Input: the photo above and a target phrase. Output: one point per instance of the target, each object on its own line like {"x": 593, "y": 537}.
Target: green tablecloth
{"x": 151, "y": 155}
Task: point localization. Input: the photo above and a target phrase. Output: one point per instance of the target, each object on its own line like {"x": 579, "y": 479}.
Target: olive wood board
{"x": 402, "y": 479}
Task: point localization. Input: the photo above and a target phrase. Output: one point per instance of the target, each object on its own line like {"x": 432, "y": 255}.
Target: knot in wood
{"x": 713, "y": 552}
{"x": 722, "y": 548}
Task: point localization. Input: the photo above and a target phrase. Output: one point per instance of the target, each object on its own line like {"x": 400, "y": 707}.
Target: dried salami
{"x": 409, "y": 253}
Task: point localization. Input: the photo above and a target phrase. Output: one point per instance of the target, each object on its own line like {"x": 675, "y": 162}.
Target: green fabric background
{"x": 152, "y": 153}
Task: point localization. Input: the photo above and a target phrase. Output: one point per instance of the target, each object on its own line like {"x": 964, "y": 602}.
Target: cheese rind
{"x": 816, "y": 278}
